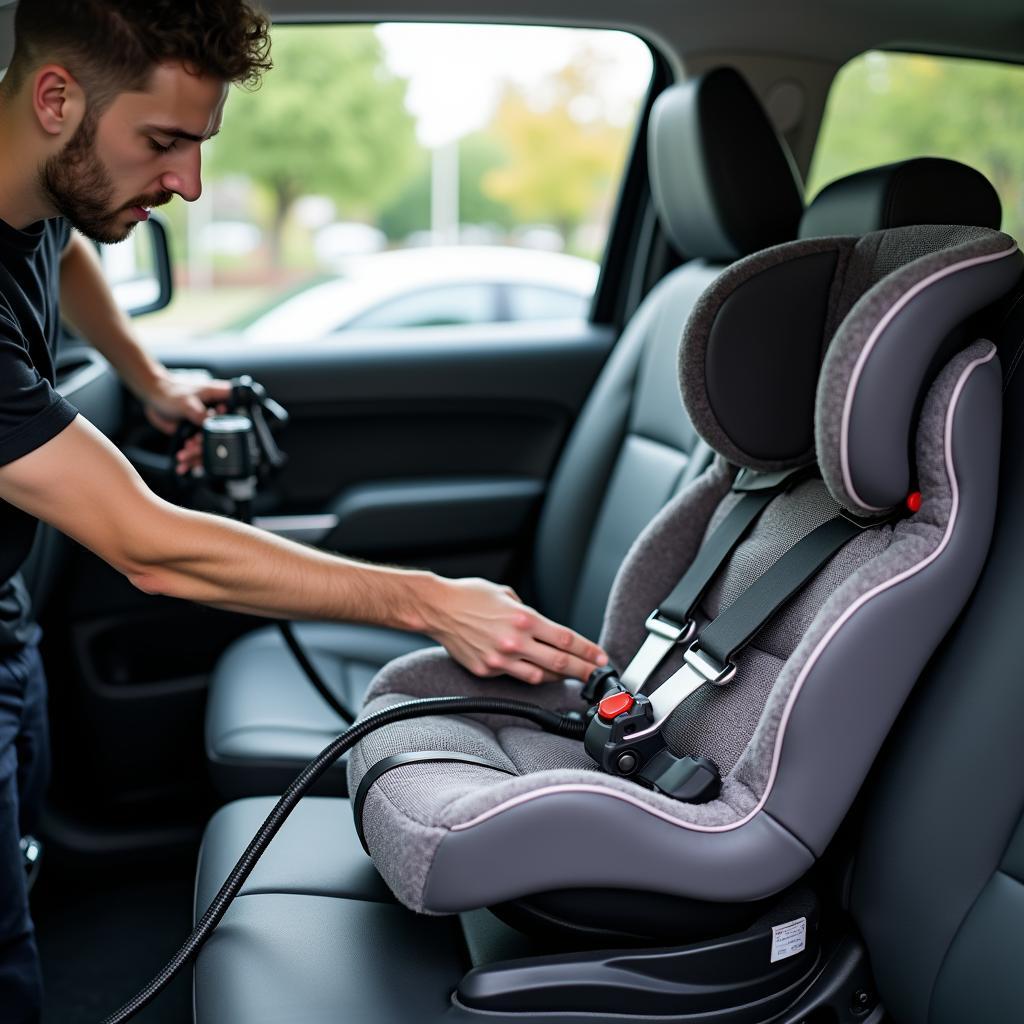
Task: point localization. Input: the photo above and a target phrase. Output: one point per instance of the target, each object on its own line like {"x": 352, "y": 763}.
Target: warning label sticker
{"x": 789, "y": 939}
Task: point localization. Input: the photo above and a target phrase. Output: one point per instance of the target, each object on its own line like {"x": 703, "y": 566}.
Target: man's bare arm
{"x": 81, "y": 484}
{"x": 88, "y": 305}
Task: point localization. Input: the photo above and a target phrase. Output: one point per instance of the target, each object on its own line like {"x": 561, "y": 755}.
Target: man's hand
{"x": 173, "y": 398}
{"x": 487, "y": 629}
{"x": 86, "y": 303}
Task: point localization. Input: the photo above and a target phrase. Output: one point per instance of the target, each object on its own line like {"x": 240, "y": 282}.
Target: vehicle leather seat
{"x": 276, "y": 955}
{"x": 719, "y": 196}
{"x": 938, "y": 879}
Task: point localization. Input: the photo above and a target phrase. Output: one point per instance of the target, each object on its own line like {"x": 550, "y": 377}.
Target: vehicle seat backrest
{"x": 724, "y": 185}
{"x": 938, "y": 882}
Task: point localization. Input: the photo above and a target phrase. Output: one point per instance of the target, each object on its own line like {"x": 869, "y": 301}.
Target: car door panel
{"x": 394, "y": 411}
{"x": 403, "y": 447}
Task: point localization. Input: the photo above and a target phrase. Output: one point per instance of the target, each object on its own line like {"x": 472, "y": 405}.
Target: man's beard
{"x": 81, "y": 189}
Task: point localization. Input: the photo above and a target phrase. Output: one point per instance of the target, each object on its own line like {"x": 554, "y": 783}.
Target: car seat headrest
{"x": 821, "y": 348}
{"x": 925, "y": 190}
{"x": 724, "y": 184}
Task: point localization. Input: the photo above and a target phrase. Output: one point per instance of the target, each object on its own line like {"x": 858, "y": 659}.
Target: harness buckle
{"x": 670, "y": 630}
{"x": 706, "y": 666}
{"x": 662, "y": 635}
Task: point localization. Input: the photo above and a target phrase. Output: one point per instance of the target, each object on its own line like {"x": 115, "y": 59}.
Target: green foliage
{"x": 479, "y": 153}
{"x": 329, "y": 119}
{"x": 886, "y": 107}
{"x": 561, "y": 169}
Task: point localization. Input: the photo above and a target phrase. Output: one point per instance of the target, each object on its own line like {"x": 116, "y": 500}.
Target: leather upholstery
{"x": 927, "y": 190}
{"x": 264, "y": 720}
{"x": 939, "y": 875}
{"x": 316, "y": 853}
{"x": 711, "y": 150}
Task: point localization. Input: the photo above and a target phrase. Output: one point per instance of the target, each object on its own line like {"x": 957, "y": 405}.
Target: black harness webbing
{"x": 388, "y": 764}
{"x": 741, "y": 621}
{"x": 680, "y": 605}
{"x": 674, "y": 621}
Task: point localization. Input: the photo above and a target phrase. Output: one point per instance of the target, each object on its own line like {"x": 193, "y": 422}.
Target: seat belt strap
{"x": 680, "y": 604}
{"x": 673, "y": 621}
{"x": 736, "y": 627}
{"x": 387, "y": 764}
{"x": 709, "y": 659}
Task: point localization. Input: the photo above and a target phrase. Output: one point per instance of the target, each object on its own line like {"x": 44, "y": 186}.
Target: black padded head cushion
{"x": 926, "y": 190}
{"x": 723, "y": 183}
{"x": 820, "y": 349}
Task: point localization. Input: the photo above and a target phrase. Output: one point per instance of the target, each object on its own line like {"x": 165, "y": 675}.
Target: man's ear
{"x": 58, "y": 101}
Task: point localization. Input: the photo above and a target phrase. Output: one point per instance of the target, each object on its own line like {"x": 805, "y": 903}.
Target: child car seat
{"x": 850, "y": 359}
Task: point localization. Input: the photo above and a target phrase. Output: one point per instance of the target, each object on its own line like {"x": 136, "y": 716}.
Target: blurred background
{"x": 447, "y": 142}
{"x": 414, "y": 175}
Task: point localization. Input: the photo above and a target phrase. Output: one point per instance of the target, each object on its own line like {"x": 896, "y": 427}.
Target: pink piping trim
{"x": 804, "y": 672}
{"x": 876, "y": 333}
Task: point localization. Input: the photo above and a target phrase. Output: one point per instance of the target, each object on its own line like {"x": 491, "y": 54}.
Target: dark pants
{"x": 24, "y": 769}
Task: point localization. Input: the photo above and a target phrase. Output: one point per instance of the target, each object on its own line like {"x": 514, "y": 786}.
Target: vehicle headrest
{"x": 820, "y": 349}
{"x": 723, "y": 182}
{"x": 925, "y": 190}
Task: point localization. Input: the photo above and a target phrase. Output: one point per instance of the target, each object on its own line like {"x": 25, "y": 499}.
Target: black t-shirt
{"x": 31, "y": 411}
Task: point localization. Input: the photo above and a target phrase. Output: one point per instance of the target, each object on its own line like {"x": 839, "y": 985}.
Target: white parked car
{"x": 444, "y": 286}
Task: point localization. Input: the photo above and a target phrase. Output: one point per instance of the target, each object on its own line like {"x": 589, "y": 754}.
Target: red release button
{"x": 614, "y": 704}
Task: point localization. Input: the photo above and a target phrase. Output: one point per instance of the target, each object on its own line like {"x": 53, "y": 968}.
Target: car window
{"x": 500, "y": 148}
{"x": 533, "y": 302}
{"x": 432, "y": 307}
{"x": 885, "y": 107}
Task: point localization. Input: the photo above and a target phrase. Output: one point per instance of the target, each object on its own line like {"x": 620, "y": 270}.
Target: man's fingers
{"x": 195, "y": 409}
{"x": 557, "y": 662}
{"x": 536, "y": 676}
{"x": 527, "y": 672}
{"x": 215, "y": 391}
{"x": 162, "y": 423}
{"x": 566, "y": 640}
{"x": 189, "y": 455}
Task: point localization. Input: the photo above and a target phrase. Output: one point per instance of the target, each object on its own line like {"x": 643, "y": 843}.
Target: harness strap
{"x": 709, "y": 659}
{"x": 412, "y": 757}
{"x": 736, "y": 626}
{"x": 673, "y": 622}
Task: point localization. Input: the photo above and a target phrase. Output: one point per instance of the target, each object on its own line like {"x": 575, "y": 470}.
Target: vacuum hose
{"x": 561, "y": 724}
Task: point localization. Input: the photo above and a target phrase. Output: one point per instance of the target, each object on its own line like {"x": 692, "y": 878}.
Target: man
{"x": 102, "y": 115}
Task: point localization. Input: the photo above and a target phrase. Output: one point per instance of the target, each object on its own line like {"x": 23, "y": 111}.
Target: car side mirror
{"x": 138, "y": 269}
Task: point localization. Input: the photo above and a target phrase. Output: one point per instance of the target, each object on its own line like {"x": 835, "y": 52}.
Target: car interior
{"x": 775, "y": 472}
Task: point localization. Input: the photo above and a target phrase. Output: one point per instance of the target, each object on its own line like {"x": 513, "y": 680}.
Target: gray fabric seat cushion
{"x": 264, "y": 720}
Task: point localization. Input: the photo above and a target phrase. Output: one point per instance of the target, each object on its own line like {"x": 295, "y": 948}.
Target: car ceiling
{"x": 824, "y": 30}
{"x": 802, "y": 42}
{"x": 831, "y": 31}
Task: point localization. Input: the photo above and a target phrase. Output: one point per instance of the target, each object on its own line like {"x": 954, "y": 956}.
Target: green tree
{"x": 561, "y": 166}
{"x": 479, "y": 153}
{"x": 887, "y": 107}
{"x": 328, "y": 120}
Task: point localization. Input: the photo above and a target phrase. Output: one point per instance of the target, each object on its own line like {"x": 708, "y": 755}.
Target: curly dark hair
{"x": 112, "y": 46}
